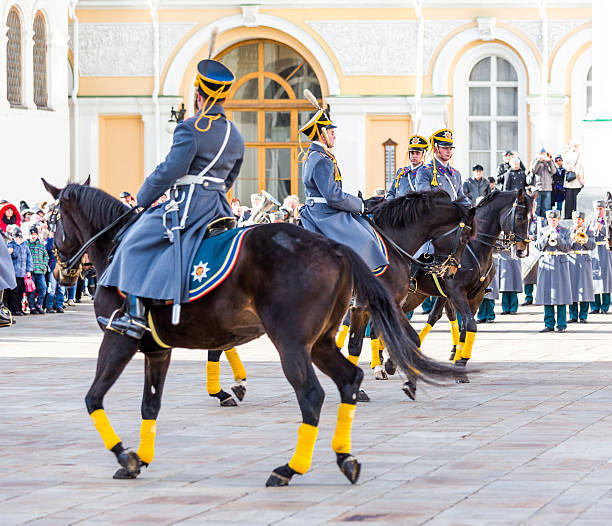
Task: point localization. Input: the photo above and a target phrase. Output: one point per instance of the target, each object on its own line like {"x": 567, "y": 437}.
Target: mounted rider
{"x": 328, "y": 210}
{"x": 202, "y": 165}
{"x": 405, "y": 178}
{"x": 439, "y": 174}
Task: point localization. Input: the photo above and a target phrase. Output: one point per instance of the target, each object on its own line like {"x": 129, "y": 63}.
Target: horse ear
{"x": 520, "y": 196}
{"x": 54, "y": 191}
{"x": 87, "y": 181}
{"x": 609, "y": 197}
{"x": 472, "y": 213}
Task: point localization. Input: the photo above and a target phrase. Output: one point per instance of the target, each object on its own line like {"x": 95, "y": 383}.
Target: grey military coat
{"x": 405, "y": 181}
{"x": 447, "y": 177}
{"x": 494, "y": 284}
{"x": 554, "y": 285}
{"x": 509, "y": 269}
{"x": 7, "y": 271}
{"x": 336, "y": 218}
{"x": 581, "y": 269}
{"x": 602, "y": 260}
{"x": 144, "y": 262}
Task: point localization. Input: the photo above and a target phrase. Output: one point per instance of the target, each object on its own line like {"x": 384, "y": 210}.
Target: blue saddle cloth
{"x": 214, "y": 261}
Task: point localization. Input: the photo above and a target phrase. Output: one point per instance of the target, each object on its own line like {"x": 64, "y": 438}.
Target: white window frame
{"x": 461, "y": 120}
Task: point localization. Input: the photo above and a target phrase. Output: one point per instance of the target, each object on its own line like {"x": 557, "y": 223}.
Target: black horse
{"x": 252, "y": 301}
{"x": 508, "y": 212}
{"x": 409, "y": 221}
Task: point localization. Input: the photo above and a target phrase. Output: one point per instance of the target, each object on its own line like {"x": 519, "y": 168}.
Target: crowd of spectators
{"x": 29, "y": 242}
{"x": 554, "y": 182}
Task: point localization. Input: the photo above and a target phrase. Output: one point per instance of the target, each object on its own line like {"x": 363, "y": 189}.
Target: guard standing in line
{"x": 202, "y": 165}
{"x": 328, "y": 210}
{"x": 439, "y": 174}
{"x": 531, "y": 277}
{"x": 510, "y": 281}
{"x": 554, "y": 285}
{"x": 602, "y": 261}
{"x": 581, "y": 268}
{"x": 405, "y": 179}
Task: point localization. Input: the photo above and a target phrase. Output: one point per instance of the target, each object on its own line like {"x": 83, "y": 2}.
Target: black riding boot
{"x": 132, "y": 322}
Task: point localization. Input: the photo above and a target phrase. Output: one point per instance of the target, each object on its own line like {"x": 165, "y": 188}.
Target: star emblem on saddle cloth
{"x": 200, "y": 271}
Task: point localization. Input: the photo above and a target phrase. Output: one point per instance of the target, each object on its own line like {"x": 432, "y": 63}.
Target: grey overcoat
{"x": 602, "y": 260}
{"x": 509, "y": 270}
{"x": 7, "y": 272}
{"x": 494, "y": 285}
{"x": 447, "y": 179}
{"x": 336, "y": 218}
{"x": 581, "y": 269}
{"x": 144, "y": 262}
{"x": 405, "y": 181}
{"x": 554, "y": 285}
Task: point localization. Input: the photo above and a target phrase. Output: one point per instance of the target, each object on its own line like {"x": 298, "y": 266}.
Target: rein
{"x": 506, "y": 242}
{"x": 67, "y": 267}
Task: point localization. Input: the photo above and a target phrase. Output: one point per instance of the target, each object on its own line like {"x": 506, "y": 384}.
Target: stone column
{"x": 547, "y": 120}
{"x": 4, "y": 105}
{"x": 598, "y": 122}
{"x": 28, "y": 68}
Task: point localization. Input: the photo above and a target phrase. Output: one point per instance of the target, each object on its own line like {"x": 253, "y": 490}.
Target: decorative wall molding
{"x": 557, "y": 29}
{"x": 381, "y": 47}
{"x": 125, "y": 49}
{"x": 249, "y": 15}
{"x": 485, "y": 27}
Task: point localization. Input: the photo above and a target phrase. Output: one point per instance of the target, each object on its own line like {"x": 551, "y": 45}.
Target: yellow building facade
{"x": 503, "y": 78}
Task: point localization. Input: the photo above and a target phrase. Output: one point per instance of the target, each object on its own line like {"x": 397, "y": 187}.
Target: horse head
{"x": 515, "y": 224}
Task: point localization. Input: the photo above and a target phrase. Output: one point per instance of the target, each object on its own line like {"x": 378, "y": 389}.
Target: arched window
{"x": 493, "y": 112}
{"x": 40, "y": 61}
{"x": 589, "y": 89}
{"x": 268, "y": 106}
{"x": 13, "y": 58}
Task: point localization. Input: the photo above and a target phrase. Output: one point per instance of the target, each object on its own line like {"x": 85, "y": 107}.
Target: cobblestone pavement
{"x": 529, "y": 441}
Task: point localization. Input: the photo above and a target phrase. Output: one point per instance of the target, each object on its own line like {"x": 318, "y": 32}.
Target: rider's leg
{"x": 132, "y": 322}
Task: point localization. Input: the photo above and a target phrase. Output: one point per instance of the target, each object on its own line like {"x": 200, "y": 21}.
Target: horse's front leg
{"x": 434, "y": 316}
{"x": 156, "y": 368}
{"x": 451, "y": 314}
{"x": 213, "y": 386}
{"x": 467, "y": 338}
{"x": 359, "y": 321}
{"x": 115, "y": 353}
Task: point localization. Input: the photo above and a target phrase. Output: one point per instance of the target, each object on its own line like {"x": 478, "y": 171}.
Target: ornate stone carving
{"x": 557, "y": 29}
{"x": 485, "y": 27}
{"x": 249, "y": 15}
{"x": 170, "y": 33}
{"x": 385, "y": 47}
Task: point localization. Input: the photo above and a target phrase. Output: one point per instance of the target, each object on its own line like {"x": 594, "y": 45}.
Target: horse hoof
{"x": 462, "y": 379}
{"x": 280, "y": 477}
{"x": 131, "y": 465}
{"x": 350, "y": 467}
{"x": 228, "y": 402}
{"x": 240, "y": 390}
{"x": 410, "y": 389}
{"x": 362, "y": 396}
{"x": 379, "y": 373}
{"x": 390, "y": 367}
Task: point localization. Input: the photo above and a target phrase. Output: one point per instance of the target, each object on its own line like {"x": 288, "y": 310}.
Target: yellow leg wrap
{"x": 236, "y": 365}
{"x": 455, "y": 331}
{"x": 302, "y": 458}
{"x": 425, "y": 331}
{"x": 342, "y": 334}
{"x": 146, "y": 449}
{"x": 213, "y": 372}
{"x": 466, "y": 352}
{"x": 375, "y": 343}
{"x": 109, "y": 437}
{"x": 353, "y": 359}
{"x": 341, "y": 442}
{"x": 458, "y": 351}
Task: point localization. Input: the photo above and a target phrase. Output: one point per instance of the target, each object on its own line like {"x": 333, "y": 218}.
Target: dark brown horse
{"x": 409, "y": 221}
{"x": 252, "y": 301}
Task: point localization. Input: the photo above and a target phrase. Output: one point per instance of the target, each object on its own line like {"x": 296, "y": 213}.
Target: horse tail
{"x": 391, "y": 323}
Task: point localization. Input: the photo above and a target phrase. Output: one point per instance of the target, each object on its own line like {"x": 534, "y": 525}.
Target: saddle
{"x": 218, "y": 226}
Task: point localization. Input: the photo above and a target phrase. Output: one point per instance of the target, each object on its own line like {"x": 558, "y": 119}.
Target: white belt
{"x": 554, "y": 253}
{"x": 317, "y": 199}
{"x": 583, "y": 252}
{"x": 197, "y": 179}
{"x": 601, "y": 242}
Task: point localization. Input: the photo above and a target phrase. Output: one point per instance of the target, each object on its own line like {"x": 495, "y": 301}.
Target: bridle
{"x": 509, "y": 239}
{"x": 440, "y": 264}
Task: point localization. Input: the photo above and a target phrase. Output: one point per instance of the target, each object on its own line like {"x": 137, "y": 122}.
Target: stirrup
{"x": 111, "y": 319}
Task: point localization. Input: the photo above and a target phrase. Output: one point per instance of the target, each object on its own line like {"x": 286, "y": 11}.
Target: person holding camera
{"x": 543, "y": 168}
{"x": 574, "y": 176}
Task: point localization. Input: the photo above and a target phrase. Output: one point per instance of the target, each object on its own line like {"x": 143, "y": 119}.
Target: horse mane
{"x": 99, "y": 207}
{"x": 412, "y": 207}
{"x": 498, "y": 193}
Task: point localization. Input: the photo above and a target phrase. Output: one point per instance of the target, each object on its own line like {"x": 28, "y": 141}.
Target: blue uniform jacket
{"x": 336, "y": 217}
{"x": 405, "y": 181}
{"x": 144, "y": 262}
{"x": 448, "y": 179}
